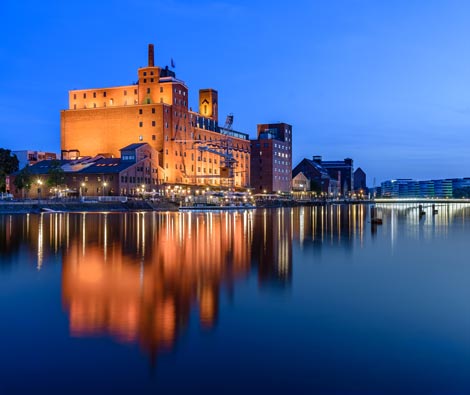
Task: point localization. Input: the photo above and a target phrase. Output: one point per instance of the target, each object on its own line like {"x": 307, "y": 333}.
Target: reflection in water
{"x": 139, "y": 277}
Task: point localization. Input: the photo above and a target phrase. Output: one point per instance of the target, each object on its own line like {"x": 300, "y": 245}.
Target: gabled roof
{"x": 312, "y": 164}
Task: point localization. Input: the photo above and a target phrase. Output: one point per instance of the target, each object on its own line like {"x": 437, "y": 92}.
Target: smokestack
{"x": 151, "y": 58}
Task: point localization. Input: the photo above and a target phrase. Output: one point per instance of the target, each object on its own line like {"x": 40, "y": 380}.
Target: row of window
{"x": 104, "y": 94}
{"x": 138, "y": 180}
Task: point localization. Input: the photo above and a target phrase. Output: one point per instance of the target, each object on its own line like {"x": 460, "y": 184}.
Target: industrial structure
{"x": 193, "y": 149}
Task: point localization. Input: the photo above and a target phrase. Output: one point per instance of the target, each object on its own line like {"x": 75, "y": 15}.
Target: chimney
{"x": 151, "y": 57}
{"x": 317, "y": 159}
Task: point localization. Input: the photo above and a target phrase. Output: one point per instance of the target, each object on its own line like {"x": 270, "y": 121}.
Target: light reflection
{"x": 140, "y": 277}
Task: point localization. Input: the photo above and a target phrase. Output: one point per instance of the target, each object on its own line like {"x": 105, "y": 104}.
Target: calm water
{"x": 303, "y": 300}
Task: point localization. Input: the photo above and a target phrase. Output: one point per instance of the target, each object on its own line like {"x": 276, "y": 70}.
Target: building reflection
{"x": 33, "y": 237}
{"x": 333, "y": 225}
{"x": 138, "y": 277}
{"x": 272, "y": 246}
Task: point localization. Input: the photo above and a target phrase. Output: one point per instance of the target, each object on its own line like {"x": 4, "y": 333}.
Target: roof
{"x": 310, "y": 163}
{"x": 132, "y": 147}
{"x": 43, "y": 166}
{"x": 106, "y": 165}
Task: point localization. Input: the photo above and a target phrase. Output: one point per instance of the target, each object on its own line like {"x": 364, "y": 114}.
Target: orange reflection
{"x": 139, "y": 277}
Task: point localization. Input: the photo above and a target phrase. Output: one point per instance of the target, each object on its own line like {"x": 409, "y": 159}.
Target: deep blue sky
{"x": 384, "y": 82}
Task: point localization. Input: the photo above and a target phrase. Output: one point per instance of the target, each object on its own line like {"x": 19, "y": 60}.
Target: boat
{"x": 212, "y": 207}
{"x": 218, "y": 201}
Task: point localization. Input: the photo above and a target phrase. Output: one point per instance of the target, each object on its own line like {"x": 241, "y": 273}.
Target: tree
{"x": 8, "y": 164}
{"x": 55, "y": 175}
{"x": 23, "y": 179}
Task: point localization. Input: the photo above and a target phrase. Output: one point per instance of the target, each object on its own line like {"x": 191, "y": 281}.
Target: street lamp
{"x": 105, "y": 184}
{"x": 82, "y": 189}
{"x": 39, "y": 182}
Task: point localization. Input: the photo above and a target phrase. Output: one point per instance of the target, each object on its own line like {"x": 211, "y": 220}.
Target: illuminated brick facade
{"x": 155, "y": 110}
{"x": 271, "y": 158}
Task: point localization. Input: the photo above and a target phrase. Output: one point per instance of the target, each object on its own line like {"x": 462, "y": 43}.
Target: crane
{"x": 215, "y": 147}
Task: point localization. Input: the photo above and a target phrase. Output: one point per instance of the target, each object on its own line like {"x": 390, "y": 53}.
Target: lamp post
{"x": 105, "y": 184}
{"x": 39, "y": 182}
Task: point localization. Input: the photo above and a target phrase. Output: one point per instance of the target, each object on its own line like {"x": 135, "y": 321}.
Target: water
{"x": 302, "y": 300}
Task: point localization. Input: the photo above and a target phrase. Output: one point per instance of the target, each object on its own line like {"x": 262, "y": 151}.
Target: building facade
{"x": 271, "y": 158}
{"x": 135, "y": 172}
{"x": 340, "y": 170}
{"x": 193, "y": 148}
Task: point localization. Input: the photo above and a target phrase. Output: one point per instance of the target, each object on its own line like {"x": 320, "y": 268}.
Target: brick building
{"x": 271, "y": 158}
{"x": 137, "y": 170}
{"x": 193, "y": 148}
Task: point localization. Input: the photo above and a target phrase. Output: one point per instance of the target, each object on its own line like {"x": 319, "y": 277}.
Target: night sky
{"x": 384, "y": 82}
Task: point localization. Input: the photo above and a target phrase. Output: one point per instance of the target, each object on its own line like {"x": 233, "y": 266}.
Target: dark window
{"x": 74, "y": 96}
{"x": 153, "y": 123}
{"x": 145, "y": 73}
{"x": 141, "y": 124}
{"x": 154, "y": 137}
{"x": 104, "y": 94}
{"x": 84, "y": 95}
{"x": 94, "y": 94}
{"x": 148, "y": 90}
{"x": 153, "y": 110}
{"x": 125, "y": 93}
{"x": 140, "y": 111}
{"x": 145, "y": 80}
{"x": 161, "y": 89}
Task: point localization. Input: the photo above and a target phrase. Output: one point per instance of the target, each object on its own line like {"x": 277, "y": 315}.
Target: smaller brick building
{"x": 271, "y": 158}
{"x": 136, "y": 171}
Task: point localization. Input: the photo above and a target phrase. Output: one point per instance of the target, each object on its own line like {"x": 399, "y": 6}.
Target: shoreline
{"x": 44, "y": 206}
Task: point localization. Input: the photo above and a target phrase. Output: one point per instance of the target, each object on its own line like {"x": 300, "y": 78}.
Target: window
{"x": 161, "y": 89}
{"x": 135, "y": 91}
{"x": 153, "y": 110}
{"x": 154, "y": 137}
{"x": 151, "y": 73}
{"x": 141, "y": 124}
{"x": 74, "y": 106}
{"x": 74, "y": 96}
{"x": 104, "y": 94}
{"x": 145, "y": 80}
{"x": 148, "y": 90}
{"x": 94, "y": 94}
{"x": 84, "y": 95}
{"x": 153, "y": 123}
{"x": 151, "y": 79}
{"x": 140, "y": 111}
{"x": 145, "y": 73}
{"x": 125, "y": 93}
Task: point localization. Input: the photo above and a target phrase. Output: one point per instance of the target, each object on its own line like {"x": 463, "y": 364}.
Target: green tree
{"x": 23, "y": 179}
{"x": 55, "y": 175}
{"x": 8, "y": 164}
